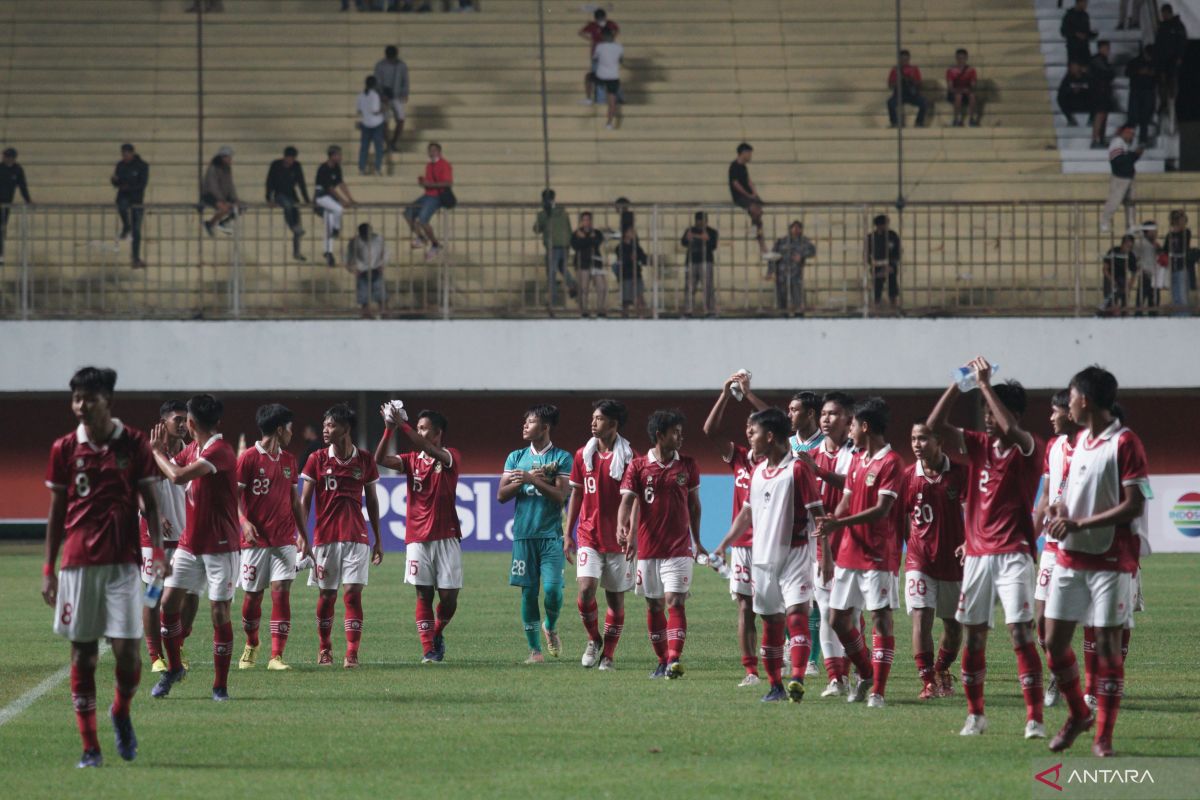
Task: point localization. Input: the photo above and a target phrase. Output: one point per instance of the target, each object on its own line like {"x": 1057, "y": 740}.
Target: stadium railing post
{"x": 23, "y": 255}
{"x": 655, "y": 260}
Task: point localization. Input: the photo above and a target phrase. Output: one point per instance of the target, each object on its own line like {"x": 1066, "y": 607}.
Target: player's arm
{"x": 419, "y": 442}
{"x": 1133, "y": 502}
{"x": 149, "y": 501}
{"x": 625, "y": 536}
{"x": 248, "y": 529}
{"x": 741, "y": 523}
{"x": 938, "y": 422}
{"x": 373, "y": 516}
{"x": 173, "y": 472}
{"x": 712, "y": 425}
{"x": 757, "y": 402}
{"x": 382, "y": 457}
{"x": 1009, "y": 427}
{"x": 556, "y": 491}
{"x": 573, "y": 507}
{"x": 694, "y": 518}
{"x": 55, "y": 530}
{"x": 1043, "y": 505}
{"x": 307, "y": 486}
{"x": 510, "y": 485}
{"x": 301, "y": 521}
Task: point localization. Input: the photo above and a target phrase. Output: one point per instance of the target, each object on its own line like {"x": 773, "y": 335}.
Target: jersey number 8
{"x": 83, "y": 486}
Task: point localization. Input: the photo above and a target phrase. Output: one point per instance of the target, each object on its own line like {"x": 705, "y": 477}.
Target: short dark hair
{"x": 171, "y": 407}
{"x": 905, "y": 53}
{"x": 390, "y": 51}
{"x": 875, "y": 413}
{"x": 206, "y": 410}
{"x": 744, "y": 147}
{"x": 962, "y": 50}
{"x": 583, "y": 214}
{"x": 370, "y": 82}
{"x": 1061, "y": 399}
{"x": 810, "y": 400}
{"x": 701, "y": 217}
{"x": 438, "y": 145}
{"x": 342, "y": 414}
{"x": 545, "y": 412}
{"x": 773, "y": 421}
{"x": 1165, "y": 7}
{"x": 1012, "y": 395}
{"x": 613, "y": 409}
{"x": 1097, "y": 384}
{"x": 127, "y": 148}
{"x": 272, "y": 417}
{"x": 1103, "y": 43}
{"x": 97, "y": 380}
{"x": 599, "y": 14}
{"x": 662, "y": 421}
{"x": 10, "y": 152}
{"x": 435, "y": 419}
{"x": 841, "y": 398}
{"x": 922, "y": 422}
{"x": 1118, "y": 411}
{"x": 881, "y": 219}
{"x": 333, "y": 149}
{"x": 290, "y": 151}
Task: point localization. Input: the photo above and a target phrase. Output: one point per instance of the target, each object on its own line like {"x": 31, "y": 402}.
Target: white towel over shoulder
{"x": 622, "y": 455}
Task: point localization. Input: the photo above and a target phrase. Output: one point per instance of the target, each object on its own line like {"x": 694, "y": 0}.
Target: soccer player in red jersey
{"x": 596, "y": 474}
{"x": 868, "y": 554}
{"x": 1099, "y": 530}
{"x": 1054, "y": 483}
{"x": 1005, "y": 462}
{"x": 96, "y": 475}
{"x": 207, "y": 556}
{"x": 931, "y": 499}
{"x": 339, "y": 477}
{"x": 664, "y": 484}
{"x": 741, "y": 463}
{"x": 432, "y": 536}
{"x": 783, "y": 501}
{"x": 272, "y": 525}
{"x": 830, "y": 462}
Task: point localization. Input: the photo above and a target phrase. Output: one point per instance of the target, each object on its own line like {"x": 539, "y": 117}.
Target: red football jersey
{"x": 101, "y": 525}
{"x": 431, "y": 513}
{"x": 873, "y": 545}
{"x": 338, "y": 490}
{"x": 837, "y": 460}
{"x": 960, "y": 79}
{"x": 212, "y": 517}
{"x": 934, "y": 505}
{"x": 267, "y": 483}
{"x": 742, "y": 466}
{"x": 1058, "y": 465}
{"x": 597, "y": 526}
{"x": 663, "y": 490}
{"x": 1000, "y": 496}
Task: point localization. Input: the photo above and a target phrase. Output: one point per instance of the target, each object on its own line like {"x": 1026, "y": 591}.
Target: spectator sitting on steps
{"x": 1073, "y": 93}
{"x": 960, "y": 90}
{"x": 284, "y": 177}
{"x": 910, "y": 90}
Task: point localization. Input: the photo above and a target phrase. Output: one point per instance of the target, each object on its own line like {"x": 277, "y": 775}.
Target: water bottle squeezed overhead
{"x": 967, "y": 379}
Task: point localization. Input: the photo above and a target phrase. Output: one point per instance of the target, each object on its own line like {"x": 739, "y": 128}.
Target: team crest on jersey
{"x": 681, "y": 479}
{"x": 357, "y": 474}
{"x": 952, "y": 493}
{"x": 79, "y": 463}
{"x": 122, "y": 461}
{"x": 262, "y": 471}
{"x": 287, "y": 473}
{"x": 870, "y": 479}
{"x": 437, "y": 467}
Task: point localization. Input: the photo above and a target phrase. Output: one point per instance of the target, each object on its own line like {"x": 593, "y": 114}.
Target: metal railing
{"x": 968, "y": 259}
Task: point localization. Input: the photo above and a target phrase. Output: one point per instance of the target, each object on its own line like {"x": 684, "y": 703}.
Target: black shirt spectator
{"x": 130, "y": 176}
{"x": 284, "y": 180}
{"x": 1170, "y": 41}
{"x": 328, "y": 176}
{"x": 883, "y": 259}
{"x": 700, "y": 251}
{"x": 1119, "y": 263}
{"x": 1073, "y": 93}
{"x": 627, "y": 218}
{"x": 1076, "y": 28}
{"x": 1100, "y": 81}
{"x": 12, "y": 180}
{"x": 1142, "y": 82}
{"x": 588, "y": 247}
{"x": 739, "y": 173}
{"x": 630, "y": 260}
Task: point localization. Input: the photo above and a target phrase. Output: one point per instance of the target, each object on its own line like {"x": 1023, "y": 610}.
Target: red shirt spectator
{"x": 912, "y": 77}
{"x": 594, "y": 30}
{"x": 438, "y": 171}
{"x": 960, "y": 79}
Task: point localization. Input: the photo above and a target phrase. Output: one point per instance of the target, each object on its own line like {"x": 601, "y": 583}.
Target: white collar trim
{"x": 82, "y": 437}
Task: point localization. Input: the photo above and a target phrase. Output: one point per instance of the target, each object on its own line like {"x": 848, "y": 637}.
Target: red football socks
{"x": 974, "y": 671}
{"x": 676, "y": 632}
{"x": 614, "y": 623}
{"x": 83, "y": 696}
{"x": 281, "y": 621}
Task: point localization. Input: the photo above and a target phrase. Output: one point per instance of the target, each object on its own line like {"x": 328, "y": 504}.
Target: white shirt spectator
{"x": 370, "y": 109}
{"x": 608, "y": 61}
{"x": 367, "y": 255}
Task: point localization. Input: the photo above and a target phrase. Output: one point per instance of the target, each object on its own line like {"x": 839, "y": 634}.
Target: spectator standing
{"x": 1178, "y": 247}
{"x": 593, "y": 33}
{"x": 700, "y": 242}
{"x": 794, "y": 250}
{"x": 624, "y": 214}
{"x": 1151, "y": 266}
{"x": 1130, "y": 16}
{"x": 366, "y": 256}
{"x": 1122, "y": 160}
{"x": 331, "y": 196}
{"x": 218, "y": 192}
{"x": 371, "y": 123}
{"x": 437, "y": 182}
{"x": 130, "y": 176}
{"x": 554, "y": 225}
{"x": 1142, "y": 88}
{"x": 960, "y": 90}
{"x": 588, "y": 244}
{"x": 1170, "y": 43}
{"x": 630, "y": 260}
{"x": 883, "y": 260}
{"x": 910, "y": 91}
{"x": 284, "y": 177}
{"x": 1120, "y": 264}
{"x": 606, "y": 60}
{"x": 1100, "y": 82}
{"x": 12, "y": 180}
{"x": 391, "y": 78}
{"x": 1074, "y": 92}
{"x": 1076, "y": 28}
{"x": 745, "y": 193}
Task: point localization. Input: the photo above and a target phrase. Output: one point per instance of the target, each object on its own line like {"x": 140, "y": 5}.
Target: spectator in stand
{"x": 130, "y": 177}
{"x": 1130, "y": 16}
{"x": 1151, "y": 266}
{"x": 593, "y": 33}
{"x": 284, "y": 177}
{"x": 331, "y": 196}
{"x": 794, "y": 250}
{"x": 372, "y": 120}
{"x": 554, "y": 225}
{"x": 1178, "y": 249}
{"x": 624, "y": 214}
{"x": 1074, "y": 93}
{"x": 366, "y": 256}
{"x": 606, "y": 61}
{"x": 883, "y": 260}
{"x": 630, "y": 260}
{"x": 391, "y": 78}
{"x": 910, "y": 90}
{"x": 1100, "y": 100}
{"x": 700, "y": 241}
{"x": 1142, "y": 87}
{"x": 12, "y": 180}
{"x": 1170, "y": 43}
{"x": 437, "y": 182}
{"x": 1121, "y": 161}
{"x": 588, "y": 244}
{"x": 1120, "y": 264}
{"x": 960, "y": 90}
{"x": 1076, "y": 28}
{"x": 745, "y": 193}
{"x": 218, "y": 192}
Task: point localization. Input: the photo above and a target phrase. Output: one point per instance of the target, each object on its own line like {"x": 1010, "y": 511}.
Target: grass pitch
{"x": 484, "y": 725}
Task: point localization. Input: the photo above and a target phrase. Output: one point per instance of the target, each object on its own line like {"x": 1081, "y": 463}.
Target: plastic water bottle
{"x": 966, "y": 378}
{"x": 736, "y": 389}
{"x": 715, "y": 561}
{"x": 153, "y": 592}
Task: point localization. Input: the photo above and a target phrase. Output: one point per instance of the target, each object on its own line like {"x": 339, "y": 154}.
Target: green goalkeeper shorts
{"x": 535, "y": 560}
